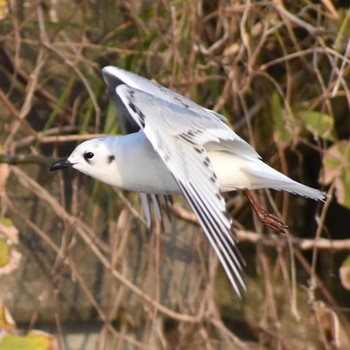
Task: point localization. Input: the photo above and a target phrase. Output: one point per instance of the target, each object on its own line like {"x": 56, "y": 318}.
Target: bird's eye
{"x": 88, "y": 155}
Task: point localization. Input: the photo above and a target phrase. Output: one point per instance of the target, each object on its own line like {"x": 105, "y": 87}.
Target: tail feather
{"x": 268, "y": 177}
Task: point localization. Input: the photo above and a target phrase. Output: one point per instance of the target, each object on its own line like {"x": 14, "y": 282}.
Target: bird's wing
{"x": 178, "y": 135}
{"x": 115, "y": 76}
{"x": 157, "y": 201}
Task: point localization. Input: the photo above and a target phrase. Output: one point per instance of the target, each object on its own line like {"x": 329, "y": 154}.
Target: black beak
{"x": 61, "y": 164}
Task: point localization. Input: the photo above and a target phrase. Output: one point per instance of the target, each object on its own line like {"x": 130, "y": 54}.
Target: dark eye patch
{"x": 110, "y": 158}
{"x": 88, "y": 155}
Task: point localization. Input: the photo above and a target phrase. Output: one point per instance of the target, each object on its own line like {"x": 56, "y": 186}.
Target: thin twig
{"x": 270, "y": 240}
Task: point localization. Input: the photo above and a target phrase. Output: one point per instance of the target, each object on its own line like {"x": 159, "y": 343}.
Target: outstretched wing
{"x": 179, "y": 134}
{"x": 115, "y": 76}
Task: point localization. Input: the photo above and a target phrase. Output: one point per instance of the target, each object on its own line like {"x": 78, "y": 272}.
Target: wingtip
{"x": 239, "y": 288}
{"x": 112, "y": 77}
{"x": 326, "y": 196}
{"x": 109, "y": 69}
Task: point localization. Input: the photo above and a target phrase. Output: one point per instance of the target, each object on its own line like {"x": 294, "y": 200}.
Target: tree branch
{"x": 269, "y": 239}
{"x": 25, "y": 159}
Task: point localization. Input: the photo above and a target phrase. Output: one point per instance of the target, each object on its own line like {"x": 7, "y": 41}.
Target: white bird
{"x": 175, "y": 146}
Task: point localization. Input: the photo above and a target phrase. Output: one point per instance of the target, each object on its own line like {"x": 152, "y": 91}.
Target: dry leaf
{"x": 8, "y": 230}
{"x": 9, "y": 258}
{"x": 344, "y": 273}
{"x": 6, "y": 321}
{"x": 337, "y": 170}
{"x": 328, "y": 323}
{"x": 4, "y": 173}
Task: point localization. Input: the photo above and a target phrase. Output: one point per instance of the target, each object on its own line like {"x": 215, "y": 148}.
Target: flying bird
{"x": 174, "y": 146}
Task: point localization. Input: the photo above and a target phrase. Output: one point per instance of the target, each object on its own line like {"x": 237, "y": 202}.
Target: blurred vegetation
{"x": 279, "y": 71}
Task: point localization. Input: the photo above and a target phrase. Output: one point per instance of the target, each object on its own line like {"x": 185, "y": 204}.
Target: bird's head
{"x": 92, "y": 157}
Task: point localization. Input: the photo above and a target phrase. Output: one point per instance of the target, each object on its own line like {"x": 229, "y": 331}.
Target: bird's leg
{"x": 265, "y": 217}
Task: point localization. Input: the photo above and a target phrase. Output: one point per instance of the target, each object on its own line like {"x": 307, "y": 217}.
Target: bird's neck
{"x": 139, "y": 166}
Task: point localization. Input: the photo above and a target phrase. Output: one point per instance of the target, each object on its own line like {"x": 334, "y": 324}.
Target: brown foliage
{"x": 278, "y": 71}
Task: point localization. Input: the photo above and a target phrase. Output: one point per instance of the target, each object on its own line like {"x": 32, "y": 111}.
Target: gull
{"x": 174, "y": 146}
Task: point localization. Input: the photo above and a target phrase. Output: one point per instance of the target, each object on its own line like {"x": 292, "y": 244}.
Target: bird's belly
{"x": 154, "y": 178}
{"x": 146, "y": 172}
{"x": 229, "y": 169}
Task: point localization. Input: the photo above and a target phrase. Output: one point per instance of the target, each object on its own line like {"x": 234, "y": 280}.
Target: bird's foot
{"x": 271, "y": 220}
{"x": 265, "y": 217}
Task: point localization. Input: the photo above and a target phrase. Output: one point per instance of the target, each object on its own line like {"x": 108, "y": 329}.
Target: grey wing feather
{"x": 148, "y": 200}
{"x": 115, "y": 76}
{"x": 146, "y": 208}
{"x": 113, "y": 80}
{"x": 200, "y": 125}
{"x": 177, "y": 135}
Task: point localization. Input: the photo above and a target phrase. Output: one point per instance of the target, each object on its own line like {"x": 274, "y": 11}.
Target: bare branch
{"x": 271, "y": 240}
